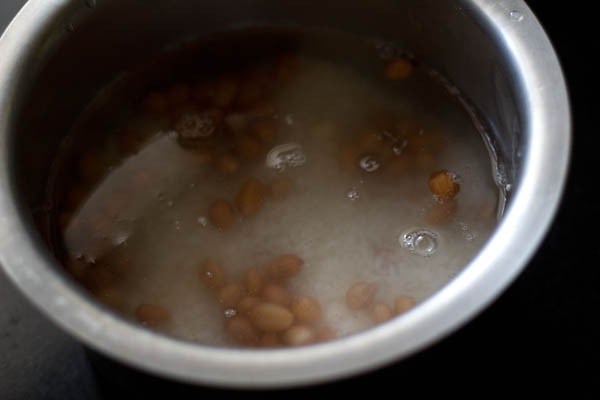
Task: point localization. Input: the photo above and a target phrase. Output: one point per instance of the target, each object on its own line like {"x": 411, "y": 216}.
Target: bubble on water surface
{"x": 423, "y": 242}
{"x": 286, "y": 155}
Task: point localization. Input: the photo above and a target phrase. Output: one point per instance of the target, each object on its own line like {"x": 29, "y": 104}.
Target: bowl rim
{"x": 29, "y": 266}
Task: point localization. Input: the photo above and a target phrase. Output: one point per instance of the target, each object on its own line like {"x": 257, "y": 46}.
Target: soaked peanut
{"x": 381, "y": 312}
{"x": 284, "y": 266}
{"x": 251, "y": 197}
{"x": 276, "y": 294}
{"x": 152, "y": 315}
{"x": 225, "y": 92}
{"x": 444, "y": 184}
{"x": 246, "y": 304}
{"x": 230, "y": 295}
{"x": 221, "y": 214}
{"x": 264, "y": 130}
{"x": 227, "y": 164}
{"x": 398, "y": 69}
{"x": 212, "y": 274}
{"x": 242, "y": 331}
{"x": 270, "y": 317}
{"x": 156, "y": 103}
{"x": 403, "y": 303}
{"x": 253, "y": 280}
{"x": 269, "y": 340}
{"x": 306, "y": 309}
{"x": 442, "y": 212}
{"x": 280, "y": 188}
{"x": 249, "y": 148}
{"x": 299, "y": 335}
{"x": 360, "y": 295}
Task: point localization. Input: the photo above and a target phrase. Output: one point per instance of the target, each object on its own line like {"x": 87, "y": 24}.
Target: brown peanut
{"x": 403, "y": 303}
{"x": 276, "y": 294}
{"x": 227, "y": 164}
{"x": 246, "y": 304}
{"x": 306, "y": 309}
{"x": 269, "y": 317}
{"x": 381, "y": 312}
{"x": 230, "y": 295}
{"x": 253, "y": 280}
{"x": 251, "y": 197}
{"x": 299, "y": 335}
{"x": 398, "y": 68}
{"x": 444, "y": 184}
{"x": 284, "y": 266}
{"x": 360, "y": 295}
{"x": 221, "y": 214}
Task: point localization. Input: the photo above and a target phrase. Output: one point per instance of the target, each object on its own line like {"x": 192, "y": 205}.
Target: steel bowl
{"x": 55, "y": 55}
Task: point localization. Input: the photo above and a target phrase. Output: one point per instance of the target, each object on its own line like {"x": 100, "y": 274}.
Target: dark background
{"x": 540, "y": 338}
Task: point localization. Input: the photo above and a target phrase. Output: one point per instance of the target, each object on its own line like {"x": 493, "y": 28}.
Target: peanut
{"x": 381, "y": 312}
{"x": 230, "y": 295}
{"x": 306, "y": 309}
{"x": 270, "y": 317}
{"x": 299, "y": 335}
{"x": 360, "y": 295}
{"x": 251, "y": 197}
{"x": 444, "y": 184}
{"x": 403, "y": 303}
{"x": 284, "y": 266}
{"x": 398, "y": 69}
{"x": 221, "y": 214}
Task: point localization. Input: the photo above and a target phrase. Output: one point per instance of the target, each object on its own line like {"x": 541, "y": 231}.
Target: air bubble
{"x": 352, "y": 194}
{"x": 369, "y": 164}
{"x": 286, "y": 155}
{"x": 203, "y": 221}
{"x": 398, "y": 148}
{"x": 194, "y": 126}
{"x": 230, "y": 313}
{"x": 420, "y": 241}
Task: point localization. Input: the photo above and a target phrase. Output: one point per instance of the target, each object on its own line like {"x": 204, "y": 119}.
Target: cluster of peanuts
{"x": 259, "y": 309}
{"x": 362, "y": 295}
{"x": 227, "y": 120}
{"x": 248, "y": 201}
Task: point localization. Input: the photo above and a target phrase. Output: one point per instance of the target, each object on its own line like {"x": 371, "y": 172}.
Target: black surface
{"x": 539, "y": 338}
